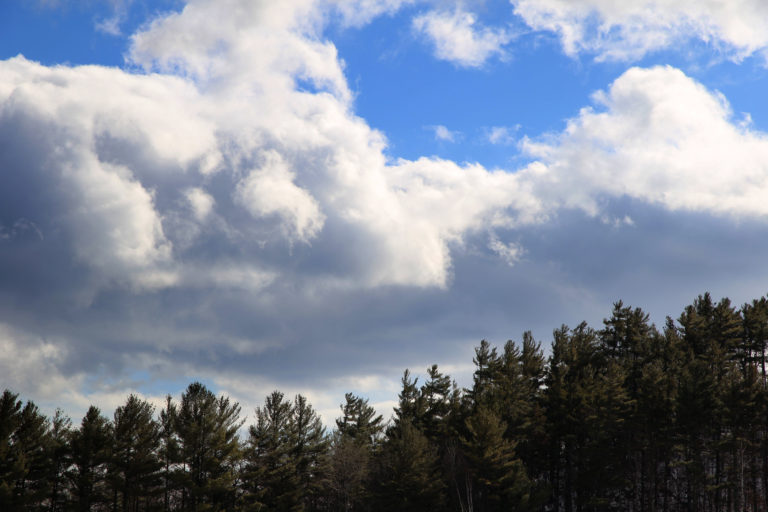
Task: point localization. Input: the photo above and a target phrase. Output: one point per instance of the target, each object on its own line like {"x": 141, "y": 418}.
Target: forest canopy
{"x": 627, "y": 416}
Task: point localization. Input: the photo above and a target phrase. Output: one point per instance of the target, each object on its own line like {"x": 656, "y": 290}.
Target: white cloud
{"x": 660, "y": 137}
{"x": 359, "y": 12}
{"x": 501, "y": 135}
{"x": 509, "y": 252}
{"x": 201, "y": 202}
{"x": 631, "y": 28}
{"x": 136, "y": 144}
{"x": 459, "y": 38}
{"x": 110, "y": 26}
{"x": 271, "y": 190}
{"x": 444, "y": 134}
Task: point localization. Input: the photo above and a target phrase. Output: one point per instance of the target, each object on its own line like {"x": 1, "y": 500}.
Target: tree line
{"x": 626, "y": 417}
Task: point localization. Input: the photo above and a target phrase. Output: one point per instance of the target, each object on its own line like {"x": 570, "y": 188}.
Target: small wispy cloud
{"x": 501, "y": 135}
{"x": 510, "y": 252}
{"x": 110, "y": 26}
{"x": 442, "y": 133}
{"x": 459, "y": 38}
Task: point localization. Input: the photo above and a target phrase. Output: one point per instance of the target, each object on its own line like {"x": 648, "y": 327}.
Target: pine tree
{"x": 357, "y": 436}
{"x": 309, "y": 451}
{"x": 436, "y": 397}
{"x": 134, "y": 465}
{"x": 410, "y": 407}
{"x": 59, "y": 459}
{"x": 408, "y": 472}
{"x": 169, "y": 453}
{"x": 209, "y": 448}
{"x": 90, "y": 446}
{"x": 30, "y": 447}
{"x": 10, "y": 418}
{"x": 271, "y": 476}
{"x": 498, "y": 475}
{"x": 359, "y": 421}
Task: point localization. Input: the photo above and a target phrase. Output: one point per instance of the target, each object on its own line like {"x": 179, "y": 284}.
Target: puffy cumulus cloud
{"x": 629, "y": 29}
{"x": 459, "y": 38}
{"x": 250, "y": 48}
{"x": 158, "y": 210}
{"x": 271, "y": 190}
{"x": 440, "y": 202}
{"x": 303, "y": 156}
{"x": 58, "y": 130}
{"x": 660, "y": 137}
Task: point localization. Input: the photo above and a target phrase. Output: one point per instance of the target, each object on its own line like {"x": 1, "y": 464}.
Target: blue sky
{"x": 313, "y": 195}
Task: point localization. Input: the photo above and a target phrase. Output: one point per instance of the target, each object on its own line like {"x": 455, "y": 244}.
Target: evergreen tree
{"x": 30, "y": 447}
{"x": 59, "y": 459}
{"x": 271, "y": 477}
{"x": 10, "y": 418}
{"x": 357, "y": 435}
{"x": 359, "y": 421}
{"x": 209, "y": 448}
{"x": 487, "y": 363}
{"x": 135, "y": 466}
{"x": 169, "y": 454}
{"x": 90, "y": 446}
{"x": 498, "y": 476}
{"x": 436, "y": 398}
{"x": 408, "y": 472}
{"x": 410, "y": 406}
{"x": 309, "y": 451}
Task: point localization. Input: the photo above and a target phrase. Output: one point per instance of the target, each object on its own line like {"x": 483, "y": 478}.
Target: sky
{"x": 314, "y": 195}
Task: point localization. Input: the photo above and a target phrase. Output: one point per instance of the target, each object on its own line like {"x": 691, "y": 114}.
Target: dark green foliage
{"x": 407, "y": 475}
{"x": 272, "y": 477}
{"x": 359, "y": 421}
{"x": 135, "y": 464}
{"x": 208, "y": 448}
{"x": 285, "y": 457}
{"x": 24, "y": 464}
{"x": 10, "y": 418}
{"x": 497, "y": 477}
{"x": 59, "y": 459}
{"x": 91, "y": 450}
{"x": 309, "y": 451}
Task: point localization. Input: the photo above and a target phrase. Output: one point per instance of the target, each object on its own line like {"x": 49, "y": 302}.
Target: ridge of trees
{"x": 626, "y": 417}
